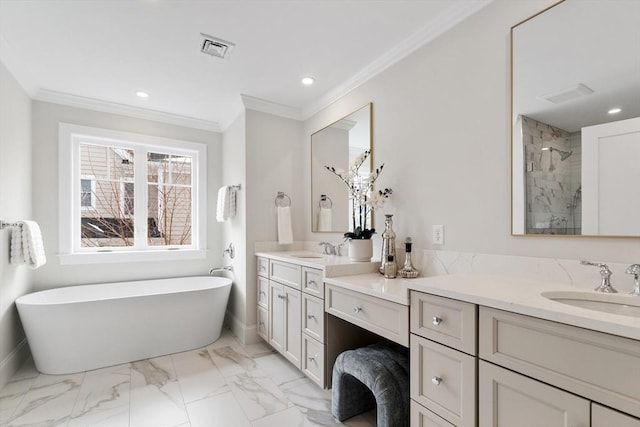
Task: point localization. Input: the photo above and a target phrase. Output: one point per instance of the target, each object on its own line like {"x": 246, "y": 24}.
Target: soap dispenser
{"x": 388, "y": 247}
{"x": 408, "y": 271}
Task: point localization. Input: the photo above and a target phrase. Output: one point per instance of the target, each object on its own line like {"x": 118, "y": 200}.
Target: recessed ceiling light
{"x": 614, "y": 111}
{"x": 307, "y": 81}
{"x": 142, "y": 94}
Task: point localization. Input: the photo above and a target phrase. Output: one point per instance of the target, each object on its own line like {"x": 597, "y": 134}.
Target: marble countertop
{"x": 504, "y": 293}
{"x": 332, "y": 265}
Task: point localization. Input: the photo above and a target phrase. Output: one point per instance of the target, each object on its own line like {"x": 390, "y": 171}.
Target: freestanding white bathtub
{"x": 79, "y": 328}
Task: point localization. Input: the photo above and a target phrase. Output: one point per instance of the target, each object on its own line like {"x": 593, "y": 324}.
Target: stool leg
{"x": 349, "y": 397}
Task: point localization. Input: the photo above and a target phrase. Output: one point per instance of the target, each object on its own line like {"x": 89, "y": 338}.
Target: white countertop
{"x": 504, "y": 293}
{"x": 332, "y": 265}
{"x": 374, "y": 284}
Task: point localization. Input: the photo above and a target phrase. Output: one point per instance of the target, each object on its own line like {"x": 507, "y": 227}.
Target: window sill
{"x": 131, "y": 256}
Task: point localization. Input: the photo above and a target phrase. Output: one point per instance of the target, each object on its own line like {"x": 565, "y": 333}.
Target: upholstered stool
{"x": 370, "y": 377}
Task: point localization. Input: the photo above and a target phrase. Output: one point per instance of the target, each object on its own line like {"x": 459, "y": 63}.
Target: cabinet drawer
{"x": 447, "y": 321}
{"x": 263, "y": 292}
{"x": 263, "y": 267}
{"x": 507, "y": 398}
{"x": 263, "y": 323}
{"x": 312, "y": 282}
{"x": 598, "y": 366}
{"x": 313, "y": 317}
{"x": 313, "y": 359}
{"x": 285, "y": 273}
{"x": 443, "y": 381}
{"x": 385, "y": 318}
{"x": 604, "y": 417}
{"x": 422, "y": 417}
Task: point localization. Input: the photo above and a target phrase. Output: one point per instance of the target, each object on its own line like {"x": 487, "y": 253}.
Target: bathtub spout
{"x": 219, "y": 269}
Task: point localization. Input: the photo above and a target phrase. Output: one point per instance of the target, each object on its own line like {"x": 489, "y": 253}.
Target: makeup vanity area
{"x": 481, "y": 348}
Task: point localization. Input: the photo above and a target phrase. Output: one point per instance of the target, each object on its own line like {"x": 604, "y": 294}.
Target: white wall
{"x": 441, "y": 126}
{"x": 235, "y": 229}
{"x": 46, "y": 117}
{"x": 273, "y": 163}
{"x": 15, "y": 204}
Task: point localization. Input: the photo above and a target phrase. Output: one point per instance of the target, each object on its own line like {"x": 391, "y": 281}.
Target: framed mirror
{"x": 337, "y": 145}
{"x": 576, "y": 120}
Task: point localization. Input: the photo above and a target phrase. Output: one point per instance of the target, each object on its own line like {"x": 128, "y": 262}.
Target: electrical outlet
{"x": 438, "y": 234}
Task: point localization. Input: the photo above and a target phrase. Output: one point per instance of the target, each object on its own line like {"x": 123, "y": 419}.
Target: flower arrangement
{"x": 363, "y": 198}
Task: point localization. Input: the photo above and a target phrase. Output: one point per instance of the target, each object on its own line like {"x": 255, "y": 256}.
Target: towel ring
{"x": 325, "y": 202}
{"x": 282, "y": 200}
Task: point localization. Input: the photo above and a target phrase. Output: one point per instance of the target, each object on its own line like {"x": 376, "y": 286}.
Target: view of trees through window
{"x": 112, "y": 212}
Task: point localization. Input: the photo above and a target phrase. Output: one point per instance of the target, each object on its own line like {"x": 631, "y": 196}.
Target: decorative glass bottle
{"x": 388, "y": 246}
{"x": 408, "y": 271}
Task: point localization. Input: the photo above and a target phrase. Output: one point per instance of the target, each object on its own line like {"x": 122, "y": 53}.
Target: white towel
{"x": 26, "y": 245}
{"x": 325, "y": 219}
{"x": 285, "y": 233}
{"x": 226, "y": 207}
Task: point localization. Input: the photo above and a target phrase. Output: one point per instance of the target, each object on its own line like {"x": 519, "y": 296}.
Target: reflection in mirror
{"x": 576, "y": 120}
{"x": 337, "y": 145}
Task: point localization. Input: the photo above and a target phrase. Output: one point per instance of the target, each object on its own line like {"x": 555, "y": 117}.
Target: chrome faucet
{"x": 220, "y": 269}
{"x": 635, "y": 270}
{"x": 329, "y": 249}
{"x": 605, "y": 274}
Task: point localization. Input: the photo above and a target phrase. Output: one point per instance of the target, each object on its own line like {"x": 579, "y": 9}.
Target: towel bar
{"x": 4, "y": 224}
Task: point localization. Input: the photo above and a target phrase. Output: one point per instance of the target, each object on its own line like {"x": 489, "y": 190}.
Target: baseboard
{"x": 246, "y": 334}
{"x": 10, "y": 364}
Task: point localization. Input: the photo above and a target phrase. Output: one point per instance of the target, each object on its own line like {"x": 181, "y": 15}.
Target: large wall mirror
{"x": 337, "y": 145}
{"x": 576, "y": 120}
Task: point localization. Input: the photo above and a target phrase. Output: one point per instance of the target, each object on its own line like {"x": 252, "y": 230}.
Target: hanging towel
{"x": 285, "y": 233}
{"x": 226, "y": 207}
{"x": 324, "y": 219}
{"x": 26, "y": 245}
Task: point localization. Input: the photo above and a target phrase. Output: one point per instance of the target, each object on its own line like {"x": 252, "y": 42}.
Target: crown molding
{"x": 274, "y": 108}
{"x": 125, "y": 110}
{"x": 436, "y": 27}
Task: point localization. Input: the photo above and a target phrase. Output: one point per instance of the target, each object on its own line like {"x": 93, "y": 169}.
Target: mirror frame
{"x": 370, "y": 163}
{"x": 516, "y": 152}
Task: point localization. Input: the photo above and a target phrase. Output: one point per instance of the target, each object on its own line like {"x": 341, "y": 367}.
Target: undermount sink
{"x": 621, "y": 304}
{"x": 306, "y": 255}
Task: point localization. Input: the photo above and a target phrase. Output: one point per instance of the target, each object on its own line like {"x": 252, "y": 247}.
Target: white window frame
{"x": 69, "y": 191}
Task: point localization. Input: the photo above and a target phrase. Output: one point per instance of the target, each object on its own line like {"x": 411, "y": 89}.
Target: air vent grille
{"x": 568, "y": 94}
{"x": 216, "y": 47}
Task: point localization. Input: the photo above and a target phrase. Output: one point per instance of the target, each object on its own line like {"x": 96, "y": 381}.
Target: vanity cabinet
{"x": 443, "y": 361}
{"x": 290, "y": 313}
{"x": 528, "y": 372}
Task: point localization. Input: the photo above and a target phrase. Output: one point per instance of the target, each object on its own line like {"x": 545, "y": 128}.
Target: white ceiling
{"x": 98, "y": 53}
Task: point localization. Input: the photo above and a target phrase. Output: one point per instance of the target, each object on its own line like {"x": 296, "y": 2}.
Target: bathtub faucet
{"x": 219, "y": 269}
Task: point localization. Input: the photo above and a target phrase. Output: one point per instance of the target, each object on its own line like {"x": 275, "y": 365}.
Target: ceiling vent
{"x": 568, "y": 94}
{"x": 216, "y": 47}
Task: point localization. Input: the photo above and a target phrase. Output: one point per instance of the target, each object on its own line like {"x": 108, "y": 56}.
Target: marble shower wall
{"x": 551, "y": 183}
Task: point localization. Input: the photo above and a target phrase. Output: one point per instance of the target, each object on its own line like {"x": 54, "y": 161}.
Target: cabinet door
{"x": 602, "y": 416}
{"x": 509, "y": 399}
{"x": 277, "y": 304}
{"x": 293, "y": 328}
{"x": 263, "y": 323}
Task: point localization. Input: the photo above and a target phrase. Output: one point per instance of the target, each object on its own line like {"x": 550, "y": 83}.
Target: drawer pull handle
{"x": 263, "y": 293}
{"x": 312, "y": 283}
{"x": 357, "y": 309}
{"x": 436, "y": 320}
{"x": 310, "y": 316}
{"x": 263, "y": 268}
{"x": 436, "y": 380}
{"x": 313, "y": 358}
{"x": 282, "y": 296}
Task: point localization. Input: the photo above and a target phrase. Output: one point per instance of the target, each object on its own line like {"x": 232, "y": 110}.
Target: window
{"x": 125, "y": 196}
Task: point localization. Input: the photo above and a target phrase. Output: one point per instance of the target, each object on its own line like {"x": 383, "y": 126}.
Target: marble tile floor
{"x": 224, "y": 384}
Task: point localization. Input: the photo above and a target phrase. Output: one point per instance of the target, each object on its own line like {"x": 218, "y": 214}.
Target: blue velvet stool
{"x": 370, "y": 377}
